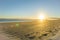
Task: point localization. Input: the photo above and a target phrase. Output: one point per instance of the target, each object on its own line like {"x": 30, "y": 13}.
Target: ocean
{"x": 14, "y": 20}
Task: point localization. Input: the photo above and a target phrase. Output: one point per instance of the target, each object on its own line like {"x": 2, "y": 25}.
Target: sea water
{"x": 2, "y": 21}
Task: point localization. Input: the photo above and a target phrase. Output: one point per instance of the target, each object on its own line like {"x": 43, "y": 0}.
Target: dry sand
{"x": 30, "y": 30}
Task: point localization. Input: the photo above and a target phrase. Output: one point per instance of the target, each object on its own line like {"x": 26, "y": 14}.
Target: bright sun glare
{"x": 42, "y": 17}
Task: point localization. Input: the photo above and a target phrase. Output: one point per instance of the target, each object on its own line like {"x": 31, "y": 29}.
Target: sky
{"x": 29, "y": 8}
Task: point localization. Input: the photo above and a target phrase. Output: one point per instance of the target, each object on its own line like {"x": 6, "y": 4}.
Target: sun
{"x": 42, "y": 17}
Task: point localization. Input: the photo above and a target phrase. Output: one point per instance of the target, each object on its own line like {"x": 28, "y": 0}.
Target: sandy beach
{"x": 30, "y": 30}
